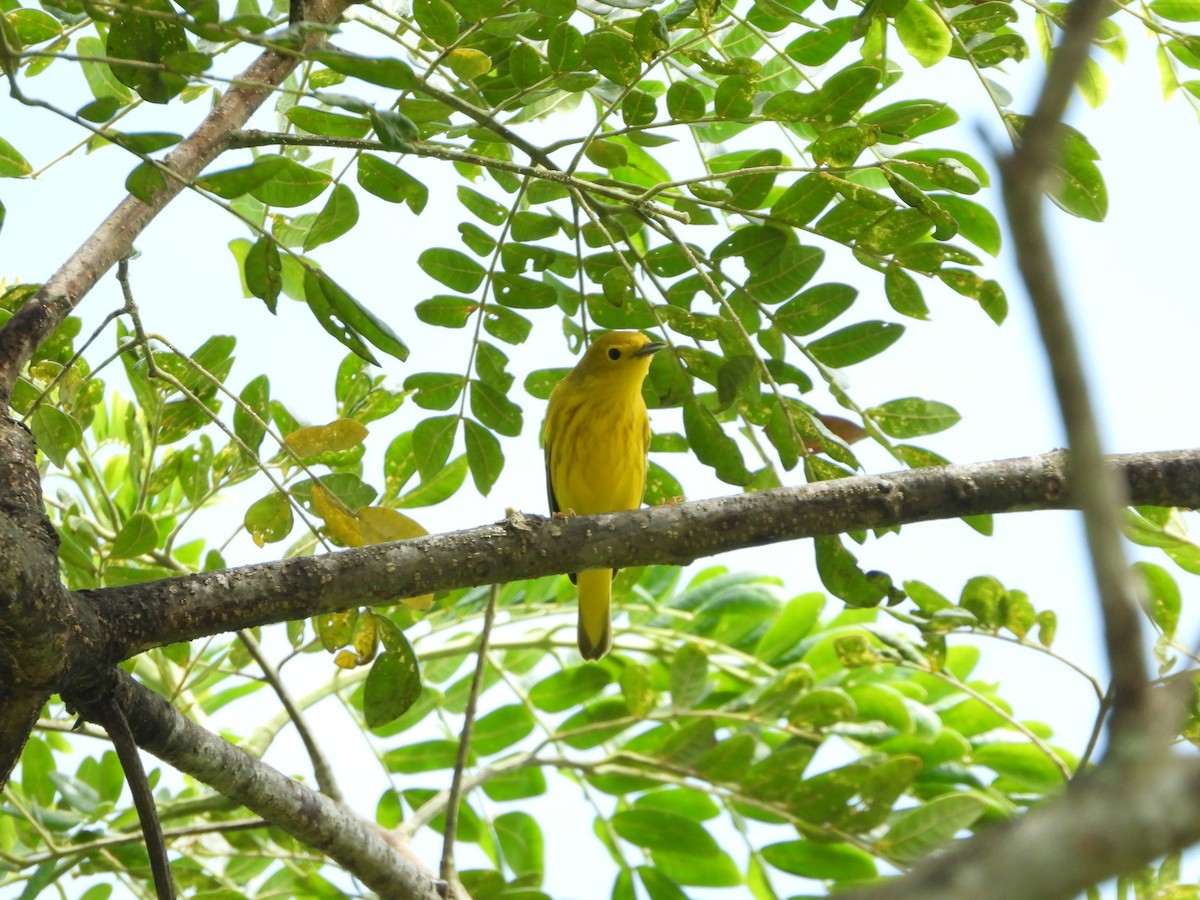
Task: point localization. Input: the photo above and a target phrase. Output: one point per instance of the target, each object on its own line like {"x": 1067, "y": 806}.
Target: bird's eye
{"x": 614, "y": 353}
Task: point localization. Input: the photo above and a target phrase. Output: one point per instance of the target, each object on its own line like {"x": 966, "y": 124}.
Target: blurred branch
{"x": 1110, "y": 821}
{"x": 1027, "y": 173}
{"x": 179, "y": 609}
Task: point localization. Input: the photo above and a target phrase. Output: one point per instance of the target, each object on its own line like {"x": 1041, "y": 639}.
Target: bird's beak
{"x": 650, "y": 349}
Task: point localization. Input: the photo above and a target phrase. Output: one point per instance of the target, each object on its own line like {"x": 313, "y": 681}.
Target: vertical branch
{"x": 449, "y": 872}
{"x": 1026, "y": 174}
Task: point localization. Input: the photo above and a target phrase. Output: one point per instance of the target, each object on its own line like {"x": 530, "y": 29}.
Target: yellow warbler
{"x": 596, "y": 437}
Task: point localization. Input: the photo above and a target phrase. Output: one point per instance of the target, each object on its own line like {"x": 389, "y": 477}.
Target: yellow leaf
{"x": 467, "y": 62}
{"x": 366, "y": 638}
{"x": 340, "y": 434}
{"x": 380, "y": 524}
{"x": 340, "y": 523}
{"x": 345, "y": 659}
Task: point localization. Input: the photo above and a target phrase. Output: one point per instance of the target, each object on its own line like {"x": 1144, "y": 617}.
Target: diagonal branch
{"x": 1026, "y": 175}
{"x": 148, "y": 615}
{"x": 33, "y": 322}
{"x": 1110, "y": 821}
{"x": 359, "y": 846}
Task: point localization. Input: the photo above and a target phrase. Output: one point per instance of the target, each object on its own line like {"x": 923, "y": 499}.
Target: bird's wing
{"x": 553, "y": 501}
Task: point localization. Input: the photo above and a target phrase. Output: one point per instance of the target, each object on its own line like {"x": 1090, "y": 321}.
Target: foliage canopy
{"x": 685, "y": 167}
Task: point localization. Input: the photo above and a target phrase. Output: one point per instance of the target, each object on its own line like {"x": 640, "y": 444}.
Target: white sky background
{"x": 1133, "y": 283}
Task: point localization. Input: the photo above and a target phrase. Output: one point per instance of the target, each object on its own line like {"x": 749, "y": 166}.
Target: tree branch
{"x": 181, "y": 609}
{"x": 323, "y": 824}
{"x": 1110, "y": 821}
{"x": 1026, "y": 174}
{"x": 33, "y": 322}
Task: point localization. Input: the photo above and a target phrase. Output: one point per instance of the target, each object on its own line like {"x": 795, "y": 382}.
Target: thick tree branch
{"x": 323, "y": 824}
{"x": 1026, "y": 175}
{"x": 181, "y": 609}
{"x": 34, "y": 321}
{"x": 1109, "y": 822}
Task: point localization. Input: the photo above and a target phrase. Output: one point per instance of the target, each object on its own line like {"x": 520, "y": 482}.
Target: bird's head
{"x": 619, "y": 357}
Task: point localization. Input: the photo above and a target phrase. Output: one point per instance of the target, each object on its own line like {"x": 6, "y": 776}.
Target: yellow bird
{"x": 596, "y": 436}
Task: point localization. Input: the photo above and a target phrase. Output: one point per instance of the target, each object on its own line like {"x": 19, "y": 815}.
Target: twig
{"x": 106, "y": 712}
{"x": 448, "y": 871}
{"x": 322, "y": 771}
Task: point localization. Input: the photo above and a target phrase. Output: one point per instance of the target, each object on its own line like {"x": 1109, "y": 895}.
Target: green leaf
{"x": 784, "y": 273}
{"x": 432, "y": 441}
{"x": 338, "y": 216}
{"x": 815, "y": 308}
{"x": 446, "y": 311}
{"x": 840, "y": 573}
{"x": 438, "y": 20}
{"x": 689, "y": 676}
{"x": 57, "y": 433}
{"x": 685, "y": 102}
{"x": 975, "y": 222}
{"x": 658, "y": 885}
{"x": 269, "y": 519}
{"x": 33, "y": 26}
{"x": 842, "y": 146}
{"x": 147, "y": 33}
{"x": 354, "y": 321}
{"x": 1165, "y": 600}
{"x": 12, "y": 163}
{"x": 823, "y": 861}
{"x": 613, "y": 56}
{"x": 912, "y": 417}
{"x": 145, "y": 182}
{"x": 391, "y": 183}
{"x": 263, "y": 271}
{"x": 423, "y": 756}
{"x": 452, "y": 268}
{"x": 923, "y": 33}
{"x": 1025, "y": 764}
{"x": 564, "y": 49}
{"x": 522, "y": 846}
{"x": 501, "y": 728}
{"x": 819, "y": 45}
{"x": 1177, "y": 10}
{"x": 232, "y": 183}
{"x": 804, "y": 200}
{"x": 435, "y": 390}
{"x": 289, "y": 184}
{"x": 904, "y": 294}
{"x": 484, "y": 456}
{"x": 495, "y": 410}
{"x": 919, "y": 831}
{"x": 137, "y": 536}
{"x": 395, "y": 130}
{"x": 790, "y": 626}
{"x": 438, "y": 488}
{"x": 569, "y": 687}
{"x": 328, "y": 124}
{"x": 393, "y": 684}
{"x": 855, "y": 343}
{"x": 383, "y": 71}
{"x": 256, "y": 396}
{"x": 666, "y": 831}
{"x": 712, "y": 445}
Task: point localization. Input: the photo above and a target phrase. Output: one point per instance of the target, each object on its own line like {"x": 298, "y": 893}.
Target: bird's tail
{"x": 595, "y": 614}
